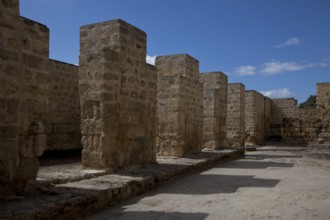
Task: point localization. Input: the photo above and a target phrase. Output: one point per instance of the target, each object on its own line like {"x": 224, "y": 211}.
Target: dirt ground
{"x": 271, "y": 183}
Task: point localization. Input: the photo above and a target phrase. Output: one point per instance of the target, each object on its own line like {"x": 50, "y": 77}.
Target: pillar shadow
{"x": 204, "y": 184}
{"x": 244, "y": 164}
{"x": 146, "y": 215}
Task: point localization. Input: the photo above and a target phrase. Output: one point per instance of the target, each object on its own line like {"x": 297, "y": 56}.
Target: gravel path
{"x": 271, "y": 183}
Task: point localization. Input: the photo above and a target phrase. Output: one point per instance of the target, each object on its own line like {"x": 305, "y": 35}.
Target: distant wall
{"x": 63, "y": 119}
{"x": 301, "y": 126}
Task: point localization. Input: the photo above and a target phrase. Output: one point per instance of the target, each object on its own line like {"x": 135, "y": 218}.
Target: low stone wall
{"x": 63, "y": 114}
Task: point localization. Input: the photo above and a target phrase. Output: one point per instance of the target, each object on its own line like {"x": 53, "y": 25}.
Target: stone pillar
{"x": 214, "y": 109}
{"x": 180, "y": 105}
{"x": 236, "y": 115}
{"x": 268, "y": 116}
{"x": 118, "y": 93}
{"x": 24, "y": 50}
{"x": 254, "y": 118}
{"x": 323, "y": 106}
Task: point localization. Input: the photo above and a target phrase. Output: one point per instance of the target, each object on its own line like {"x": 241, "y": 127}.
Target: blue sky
{"x": 279, "y": 47}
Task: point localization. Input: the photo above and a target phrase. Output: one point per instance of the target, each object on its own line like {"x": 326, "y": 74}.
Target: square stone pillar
{"x": 236, "y": 115}
{"x": 118, "y": 93}
{"x": 254, "y": 118}
{"x": 214, "y": 109}
{"x": 180, "y": 105}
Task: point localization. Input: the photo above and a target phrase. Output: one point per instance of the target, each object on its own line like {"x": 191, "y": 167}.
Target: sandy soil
{"x": 271, "y": 183}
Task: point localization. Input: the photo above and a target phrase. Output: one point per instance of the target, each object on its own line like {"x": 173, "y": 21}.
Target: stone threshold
{"x": 83, "y": 195}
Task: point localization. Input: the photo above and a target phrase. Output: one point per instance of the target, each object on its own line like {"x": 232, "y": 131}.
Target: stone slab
{"x": 75, "y": 199}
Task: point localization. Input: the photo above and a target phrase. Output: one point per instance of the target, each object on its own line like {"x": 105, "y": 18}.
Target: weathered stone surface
{"x": 236, "y": 115}
{"x": 302, "y": 126}
{"x": 118, "y": 93}
{"x": 23, "y": 99}
{"x": 85, "y": 194}
{"x": 180, "y": 105}
{"x": 63, "y": 114}
{"x": 254, "y": 118}
{"x": 214, "y": 109}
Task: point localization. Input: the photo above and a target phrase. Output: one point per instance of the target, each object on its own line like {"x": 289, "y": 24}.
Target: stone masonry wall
{"x": 63, "y": 119}
{"x": 282, "y": 109}
{"x": 215, "y": 109}
{"x": 236, "y": 115}
{"x": 118, "y": 93}
{"x": 10, "y": 73}
{"x": 23, "y": 96}
{"x": 293, "y": 125}
{"x": 180, "y": 105}
{"x": 254, "y": 118}
{"x": 323, "y": 105}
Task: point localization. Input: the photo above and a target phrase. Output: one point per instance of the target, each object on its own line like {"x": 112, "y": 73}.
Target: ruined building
{"x": 122, "y": 111}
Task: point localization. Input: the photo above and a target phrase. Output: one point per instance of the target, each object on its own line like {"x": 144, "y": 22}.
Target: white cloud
{"x": 289, "y": 42}
{"x": 278, "y": 93}
{"x": 276, "y": 67}
{"x": 151, "y": 59}
{"x": 245, "y": 70}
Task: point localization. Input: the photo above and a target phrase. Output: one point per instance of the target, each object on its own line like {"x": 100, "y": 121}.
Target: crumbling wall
{"x": 63, "y": 115}
{"x": 118, "y": 93}
{"x": 215, "y": 109}
{"x": 180, "y": 105}
{"x": 24, "y": 50}
{"x": 293, "y": 125}
{"x": 282, "y": 110}
{"x": 236, "y": 115}
{"x": 254, "y": 118}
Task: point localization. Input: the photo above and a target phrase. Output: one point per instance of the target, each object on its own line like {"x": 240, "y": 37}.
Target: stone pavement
{"x": 68, "y": 191}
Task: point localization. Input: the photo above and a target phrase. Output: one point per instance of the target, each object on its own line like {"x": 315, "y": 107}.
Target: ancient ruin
{"x": 63, "y": 114}
{"x": 180, "y": 106}
{"x": 24, "y": 49}
{"x": 122, "y": 111}
{"x": 118, "y": 96}
{"x": 254, "y": 118}
{"x": 290, "y": 124}
{"x": 236, "y": 115}
{"x": 214, "y": 109}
